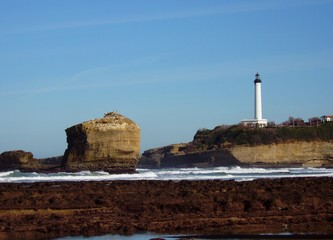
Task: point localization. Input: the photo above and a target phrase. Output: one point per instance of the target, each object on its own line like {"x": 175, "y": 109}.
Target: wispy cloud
{"x": 226, "y": 8}
{"x": 130, "y": 74}
{"x": 92, "y": 78}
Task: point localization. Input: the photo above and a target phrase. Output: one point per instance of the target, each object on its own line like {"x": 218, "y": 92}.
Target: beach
{"x": 41, "y": 210}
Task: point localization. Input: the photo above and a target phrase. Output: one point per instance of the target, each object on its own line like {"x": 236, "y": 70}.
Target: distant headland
{"x": 254, "y": 141}
{"x": 244, "y": 145}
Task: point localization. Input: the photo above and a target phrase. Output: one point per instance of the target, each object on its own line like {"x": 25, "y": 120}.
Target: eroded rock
{"x": 16, "y": 159}
{"x": 111, "y": 143}
{"x": 25, "y": 162}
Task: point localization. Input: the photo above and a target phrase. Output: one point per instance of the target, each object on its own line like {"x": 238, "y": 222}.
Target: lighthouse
{"x": 257, "y": 120}
{"x": 257, "y": 98}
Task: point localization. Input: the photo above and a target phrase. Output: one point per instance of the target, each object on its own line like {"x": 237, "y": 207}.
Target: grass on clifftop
{"x": 240, "y": 135}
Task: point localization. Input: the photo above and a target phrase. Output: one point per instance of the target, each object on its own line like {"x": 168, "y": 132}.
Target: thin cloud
{"x": 190, "y": 13}
{"x": 126, "y": 75}
{"x": 108, "y": 76}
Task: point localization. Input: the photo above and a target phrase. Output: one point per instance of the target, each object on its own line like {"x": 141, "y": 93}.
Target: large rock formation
{"x": 236, "y": 145}
{"x": 111, "y": 143}
{"x": 301, "y": 154}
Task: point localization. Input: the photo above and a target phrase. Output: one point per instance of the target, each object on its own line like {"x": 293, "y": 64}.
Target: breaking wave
{"x": 177, "y": 174}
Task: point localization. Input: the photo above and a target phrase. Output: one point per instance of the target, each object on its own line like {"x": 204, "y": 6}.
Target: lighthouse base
{"x": 254, "y": 122}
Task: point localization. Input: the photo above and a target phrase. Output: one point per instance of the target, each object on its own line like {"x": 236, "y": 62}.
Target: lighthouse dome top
{"x": 257, "y": 80}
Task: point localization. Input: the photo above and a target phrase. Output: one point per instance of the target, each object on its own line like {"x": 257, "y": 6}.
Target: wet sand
{"x": 54, "y": 209}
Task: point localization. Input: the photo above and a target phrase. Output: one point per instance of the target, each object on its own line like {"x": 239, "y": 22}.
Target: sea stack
{"x": 111, "y": 144}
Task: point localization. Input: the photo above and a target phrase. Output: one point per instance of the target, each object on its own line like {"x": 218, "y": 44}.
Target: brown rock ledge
{"x": 53, "y": 209}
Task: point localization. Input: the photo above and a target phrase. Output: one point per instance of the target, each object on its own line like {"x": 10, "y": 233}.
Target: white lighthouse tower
{"x": 257, "y": 98}
{"x": 258, "y": 120}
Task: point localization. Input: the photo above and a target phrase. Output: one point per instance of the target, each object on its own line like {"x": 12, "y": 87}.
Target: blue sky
{"x": 172, "y": 66}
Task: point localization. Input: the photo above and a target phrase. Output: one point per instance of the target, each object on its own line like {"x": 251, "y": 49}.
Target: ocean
{"x": 149, "y": 236}
{"x": 176, "y": 174}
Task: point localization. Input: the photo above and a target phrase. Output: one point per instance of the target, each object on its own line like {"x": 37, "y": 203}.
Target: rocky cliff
{"x": 111, "y": 143}
{"x": 309, "y": 154}
{"x": 236, "y": 145}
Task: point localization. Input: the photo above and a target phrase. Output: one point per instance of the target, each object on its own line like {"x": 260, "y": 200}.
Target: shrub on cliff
{"x": 240, "y": 135}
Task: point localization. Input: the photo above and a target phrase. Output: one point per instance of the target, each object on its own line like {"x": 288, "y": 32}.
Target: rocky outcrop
{"x": 25, "y": 162}
{"x": 111, "y": 143}
{"x": 154, "y": 157}
{"x": 17, "y": 159}
{"x": 49, "y": 210}
{"x": 176, "y": 156}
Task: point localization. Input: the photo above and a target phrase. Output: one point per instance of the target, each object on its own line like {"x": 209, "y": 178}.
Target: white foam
{"x": 4, "y": 174}
{"x": 78, "y": 176}
{"x": 222, "y": 173}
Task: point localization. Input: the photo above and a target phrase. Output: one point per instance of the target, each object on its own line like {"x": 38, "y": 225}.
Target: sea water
{"x": 177, "y": 174}
{"x": 149, "y": 236}
{"x": 141, "y": 236}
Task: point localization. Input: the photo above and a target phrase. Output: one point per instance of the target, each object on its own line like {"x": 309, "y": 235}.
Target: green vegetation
{"x": 241, "y": 135}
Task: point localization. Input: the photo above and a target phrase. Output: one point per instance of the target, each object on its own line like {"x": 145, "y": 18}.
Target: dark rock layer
{"x": 25, "y": 162}
{"x": 16, "y": 159}
{"x": 164, "y": 158}
{"x": 53, "y": 209}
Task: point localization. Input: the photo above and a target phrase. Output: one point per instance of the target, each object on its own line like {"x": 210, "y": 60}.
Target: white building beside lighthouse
{"x": 258, "y": 120}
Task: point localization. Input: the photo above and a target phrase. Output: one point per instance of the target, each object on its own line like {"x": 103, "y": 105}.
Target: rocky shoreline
{"x": 52, "y": 209}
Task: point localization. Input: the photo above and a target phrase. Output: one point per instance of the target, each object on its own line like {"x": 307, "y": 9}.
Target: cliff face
{"x": 316, "y": 153}
{"x": 111, "y": 144}
{"x": 306, "y": 154}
